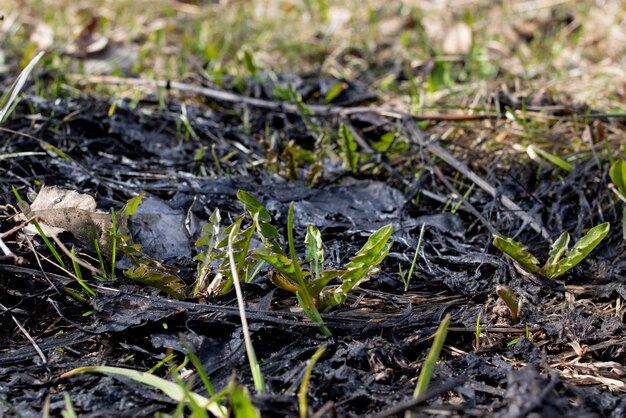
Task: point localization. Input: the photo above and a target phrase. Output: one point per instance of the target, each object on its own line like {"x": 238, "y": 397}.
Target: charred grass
{"x": 362, "y": 116}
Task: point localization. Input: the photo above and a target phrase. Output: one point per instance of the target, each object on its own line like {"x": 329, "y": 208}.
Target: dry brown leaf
{"x": 58, "y": 210}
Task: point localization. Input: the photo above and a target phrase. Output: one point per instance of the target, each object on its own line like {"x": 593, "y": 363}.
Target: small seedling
{"x": 511, "y": 300}
{"x": 617, "y": 173}
{"x": 289, "y": 275}
{"x": 558, "y": 261}
{"x": 407, "y": 279}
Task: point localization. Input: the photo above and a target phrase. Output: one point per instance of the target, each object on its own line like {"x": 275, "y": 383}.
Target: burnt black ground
{"x": 380, "y": 336}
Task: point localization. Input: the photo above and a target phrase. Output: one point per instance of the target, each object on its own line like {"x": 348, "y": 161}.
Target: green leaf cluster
{"x": 288, "y": 272}
{"x": 560, "y": 260}
{"x": 215, "y": 243}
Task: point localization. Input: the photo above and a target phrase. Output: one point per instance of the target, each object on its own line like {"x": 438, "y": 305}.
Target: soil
{"x": 564, "y": 357}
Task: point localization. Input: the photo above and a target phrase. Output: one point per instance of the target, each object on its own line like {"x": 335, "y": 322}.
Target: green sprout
{"x": 289, "y": 275}
{"x": 617, "y": 172}
{"x": 407, "y": 279}
{"x": 511, "y": 300}
{"x": 559, "y": 262}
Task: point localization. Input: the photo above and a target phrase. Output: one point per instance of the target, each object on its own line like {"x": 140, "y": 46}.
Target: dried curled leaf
{"x": 59, "y": 210}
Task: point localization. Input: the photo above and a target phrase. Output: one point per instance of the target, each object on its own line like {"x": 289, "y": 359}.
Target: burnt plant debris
{"x": 562, "y": 355}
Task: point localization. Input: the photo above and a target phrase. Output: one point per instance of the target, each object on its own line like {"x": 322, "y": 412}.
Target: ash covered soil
{"x": 564, "y": 357}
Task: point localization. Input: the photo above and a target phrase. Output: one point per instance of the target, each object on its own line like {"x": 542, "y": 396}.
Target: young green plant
{"x": 511, "y": 300}
{"x": 559, "y": 262}
{"x": 617, "y": 172}
{"x": 289, "y": 275}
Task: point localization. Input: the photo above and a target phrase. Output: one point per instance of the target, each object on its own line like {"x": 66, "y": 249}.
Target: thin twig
{"x": 27, "y": 335}
{"x": 228, "y": 97}
{"x": 465, "y": 202}
{"x": 416, "y": 135}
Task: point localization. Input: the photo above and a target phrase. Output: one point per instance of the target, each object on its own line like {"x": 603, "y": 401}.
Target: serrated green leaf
{"x": 223, "y": 280}
{"x": 253, "y": 206}
{"x": 174, "y": 390}
{"x": 370, "y": 255}
{"x": 582, "y": 249}
{"x": 348, "y": 148}
{"x": 283, "y": 265}
{"x": 617, "y": 172}
{"x": 517, "y": 251}
{"x": 158, "y": 276}
{"x": 557, "y": 250}
{"x": 208, "y": 239}
{"x": 314, "y": 251}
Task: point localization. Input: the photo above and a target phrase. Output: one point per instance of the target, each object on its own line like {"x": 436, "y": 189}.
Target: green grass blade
{"x": 171, "y": 389}
{"x": 8, "y": 98}
{"x": 428, "y": 368}
{"x": 68, "y": 411}
{"x": 516, "y": 251}
{"x": 79, "y": 275}
{"x": 306, "y": 379}
{"x": 255, "y": 369}
{"x": 582, "y": 248}
{"x": 348, "y": 148}
{"x": 564, "y": 165}
{"x": 407, "y": 280}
